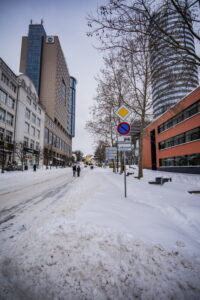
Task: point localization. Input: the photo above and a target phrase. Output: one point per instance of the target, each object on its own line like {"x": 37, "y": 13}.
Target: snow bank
{"x": 89, "y": 262}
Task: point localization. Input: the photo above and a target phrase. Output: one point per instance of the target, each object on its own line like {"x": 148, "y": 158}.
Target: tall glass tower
{"x": 174, "y": 73}
{"x": 42, "y": 59}
{"x": 36, "y": 37}
{"x": 72, "y": 105}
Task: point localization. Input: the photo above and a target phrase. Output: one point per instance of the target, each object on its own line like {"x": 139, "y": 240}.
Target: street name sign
{"x": 111, "y": 153}
{"x": 124, "y": 147}
{"x": 124, "y": 139}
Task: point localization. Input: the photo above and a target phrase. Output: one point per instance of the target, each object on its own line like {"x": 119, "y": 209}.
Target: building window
{"x": 5, "y": 79}
{"x": 32, "y": 144}
{"x": 28, "y": 114}
{"x": 46, "y": 135}
{"x": 37, "y": 134}
{"x": 13, "y": 87}
{"x": 37, "y": 146}
{"x": 3, "y": 97}
{"x": 26, "y": 141}
{"x": 2, "y": 114}
{"x": 34, "y": 105}
{"x": 33, "y": 118}
{"x": 10, "y": 102}
{"x": 38, "y": 122}
{"x": 54, "y": 140}
{"x": 28, "y": 100}
{"x": 8, "y": 136}
{"x": 27, "y": 127}
{"x": 50, "y": 138}
{"x": 181, "y": 161}
{"x": 9, "y": 119}
{"x": 185, "y": 114}
{"x": 63, "y": 92}
{"x": 182, "y": 138}
{"x": 1, "y": 134}
{"x": 32, "y": 131}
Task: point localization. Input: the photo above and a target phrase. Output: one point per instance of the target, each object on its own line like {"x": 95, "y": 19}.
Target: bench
{"x": 160, "y": 180}
{"x": 129, "y": 173}
{"x": 194, "y": 192}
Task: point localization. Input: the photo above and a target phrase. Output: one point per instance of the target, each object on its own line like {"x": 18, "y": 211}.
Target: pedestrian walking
{"x": 78, "y": 171}
{"x": 74, "y": 170}
{"x": 34, "y": 167}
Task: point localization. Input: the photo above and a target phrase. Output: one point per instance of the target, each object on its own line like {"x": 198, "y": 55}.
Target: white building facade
{"x": 8, "y": 104}
{"x": 29, "y": 131}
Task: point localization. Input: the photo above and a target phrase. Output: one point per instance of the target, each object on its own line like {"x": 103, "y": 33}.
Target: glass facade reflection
{"x": 173, "y": 72}
{"x": 72, "y": 105}
{"x": 36, "y": 35}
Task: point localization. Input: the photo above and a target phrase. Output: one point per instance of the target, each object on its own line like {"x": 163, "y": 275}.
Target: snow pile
{"x": 74, "y": 262}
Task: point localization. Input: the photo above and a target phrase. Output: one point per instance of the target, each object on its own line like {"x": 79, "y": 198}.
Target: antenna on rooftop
{"x": 31, "y": 21}
{"x": 42, "y": 21}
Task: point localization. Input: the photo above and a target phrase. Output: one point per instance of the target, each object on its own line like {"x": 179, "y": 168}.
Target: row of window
{"x": 32, "y": 117}
{"x": 6, "y": 135}
{"x": 6, "y": 117}
{"x": 32, "y": 144}
{"x": 6, "y": 99}
{"x": 9, "y": 83}
{"x": 186, "y": 113}
{"x": 181, "y": 161}
{"x": 52, "y": 139}
{"x": 160, "y": 83}
{"x": 30, "y": 102}
{"x": 182, "y": 138}
{"x": 32, "y": 130}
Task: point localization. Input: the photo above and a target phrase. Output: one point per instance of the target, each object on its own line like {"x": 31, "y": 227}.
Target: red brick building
{"x": 172, "y": 141}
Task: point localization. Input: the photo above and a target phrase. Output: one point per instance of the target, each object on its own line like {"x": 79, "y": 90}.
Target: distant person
{"x": 74, "y": 170}
{"x": 78, "y": 171}
{"x": 34, "y": 167}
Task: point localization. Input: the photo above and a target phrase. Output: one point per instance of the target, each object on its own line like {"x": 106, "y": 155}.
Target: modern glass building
{"x": 42, "y": 59}
{"x": 36, "y": 36}
{"x": 174, "y": 73}
{"x": 72, "y": 105}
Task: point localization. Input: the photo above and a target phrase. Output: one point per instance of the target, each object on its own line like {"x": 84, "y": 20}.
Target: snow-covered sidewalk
{"x": 95, "y": 244}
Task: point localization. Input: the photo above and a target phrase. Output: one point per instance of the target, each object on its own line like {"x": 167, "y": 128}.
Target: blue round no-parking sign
{"x": 123, "y": 128}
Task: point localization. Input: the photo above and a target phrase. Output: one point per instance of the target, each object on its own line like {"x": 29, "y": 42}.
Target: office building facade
{"x": 174, "y": 73}
{"x": 172, "y": 141}
{"x": 42, "y": 59}
{"x": 21, "y": 121}
{"x": 8, "y": 106}
{"x": 29, "y": 128}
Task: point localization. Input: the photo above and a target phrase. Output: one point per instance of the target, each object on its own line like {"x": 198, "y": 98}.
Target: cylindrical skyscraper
{"x": 174, "y": 73}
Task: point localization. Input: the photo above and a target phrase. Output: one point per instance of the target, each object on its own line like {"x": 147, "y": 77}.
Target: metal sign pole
{"x": 124, "y": 174}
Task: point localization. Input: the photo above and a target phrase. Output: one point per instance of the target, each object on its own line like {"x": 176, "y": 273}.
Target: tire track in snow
{"x": 12, "y": 212}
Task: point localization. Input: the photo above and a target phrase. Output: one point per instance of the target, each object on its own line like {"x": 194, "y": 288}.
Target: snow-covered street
{"x": 64, "y": 237}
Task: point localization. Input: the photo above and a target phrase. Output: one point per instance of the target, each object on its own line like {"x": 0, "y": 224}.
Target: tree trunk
{"x": 140, "y": 162}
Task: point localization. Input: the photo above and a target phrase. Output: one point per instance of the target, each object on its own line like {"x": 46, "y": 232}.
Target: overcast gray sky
{"x": 67, "y": 19}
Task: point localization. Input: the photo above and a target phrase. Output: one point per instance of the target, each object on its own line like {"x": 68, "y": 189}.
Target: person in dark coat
{"x": 74, "y": 170}
{"x": 78, "y": 171}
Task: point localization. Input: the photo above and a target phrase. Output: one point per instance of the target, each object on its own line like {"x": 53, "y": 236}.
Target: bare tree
{"x": 136, "y": 63}
{"x": 19, "y": 153}
{"x": 79, "y": 155}
{"x": 111, "y": 91}
{"x": 119, "y": 18}
{"x": 99, "y": 153}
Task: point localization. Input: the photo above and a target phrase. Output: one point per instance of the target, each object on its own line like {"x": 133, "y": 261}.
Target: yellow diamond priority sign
{"x": 123, "y": 112}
